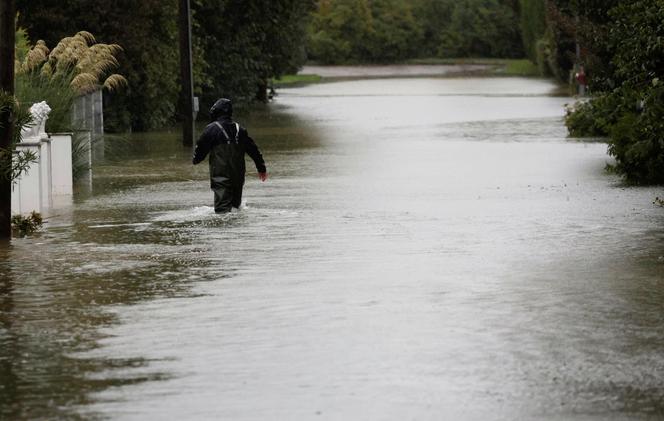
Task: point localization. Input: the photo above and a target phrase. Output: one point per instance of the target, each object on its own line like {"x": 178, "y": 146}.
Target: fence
{"x": 88, "y": 115}
{"x": 49, "y": 180}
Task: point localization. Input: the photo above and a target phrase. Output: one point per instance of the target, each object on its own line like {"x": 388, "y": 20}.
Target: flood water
{"x": 425, "y": 249}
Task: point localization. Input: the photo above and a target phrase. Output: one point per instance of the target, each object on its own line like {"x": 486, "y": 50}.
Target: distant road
{"x": 394, "y": 70}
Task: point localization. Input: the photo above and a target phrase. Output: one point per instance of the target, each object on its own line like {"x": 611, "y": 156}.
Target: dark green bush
{"x": 637, "y": 140}
{"x": 378, "y": 31}
{"x": 593, "y": 118}
{"x": 26, "y": 225}
{"x": 629, "y": 108}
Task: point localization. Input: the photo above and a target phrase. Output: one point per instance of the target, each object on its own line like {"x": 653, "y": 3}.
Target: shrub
{"x": 26, "y": 225}
{"x": 630, "y": 109}
{"x": 637, "y": 140}
{"x": 76, "y": 66}
{"x": 12, "y": 164}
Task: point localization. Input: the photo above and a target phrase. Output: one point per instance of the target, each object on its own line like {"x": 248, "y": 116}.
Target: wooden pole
{"x": 7, "y": 41}
{"x": 186, "y": 73}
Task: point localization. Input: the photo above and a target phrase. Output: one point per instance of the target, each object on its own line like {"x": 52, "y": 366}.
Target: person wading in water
{"x": 227, "y": 142}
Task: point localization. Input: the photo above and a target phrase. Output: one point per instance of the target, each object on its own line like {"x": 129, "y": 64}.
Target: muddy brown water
{"x": 424, "y": 249}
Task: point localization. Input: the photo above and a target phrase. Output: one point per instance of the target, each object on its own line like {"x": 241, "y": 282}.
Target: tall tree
{"x": 533, "y": 25}
{"x": 238, "y": 46}
{"x": 433, "y": 16}
{"x": 396, "y": 30}
{"x": 247, "y": 42}
{"x": 482, "y": 28}
{"x": 582, "y": 23}
{"x": 396, "y": 35}
{"x": 7, "y": 41}
{"x": 147, "y": 31}
{"x": 623, "y": 39}
{"x": 339, "y": 30}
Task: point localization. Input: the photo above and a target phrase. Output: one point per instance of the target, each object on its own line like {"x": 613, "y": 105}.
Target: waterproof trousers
{"x": 227, "y": 194}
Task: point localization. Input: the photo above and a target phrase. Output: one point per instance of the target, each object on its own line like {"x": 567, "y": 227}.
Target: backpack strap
{"x": 228, "y": 138}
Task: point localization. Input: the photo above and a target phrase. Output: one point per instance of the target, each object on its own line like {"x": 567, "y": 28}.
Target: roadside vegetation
{"x": 239, "y": 46}
{"x": 25, "y": 225}
{"x": 624, "y": 53}
{"x": 498, "y": 66}
{"x": 243, "y": 47}
{"x": 296, "y": 80}
{"x": 387, "y": 31}
{"x": 495, "y": 67}
{"x": 76, "y": 65}
{"x": 13, "y": 163}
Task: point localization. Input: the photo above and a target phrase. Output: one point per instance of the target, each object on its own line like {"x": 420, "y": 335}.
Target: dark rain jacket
{"x": 227, "y": 142}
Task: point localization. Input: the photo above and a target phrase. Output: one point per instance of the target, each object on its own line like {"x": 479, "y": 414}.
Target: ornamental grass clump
{"x": 79, "y": 60}
{"x": 76, "y": 66}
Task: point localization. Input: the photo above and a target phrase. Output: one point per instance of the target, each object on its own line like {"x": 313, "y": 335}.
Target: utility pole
{"x": 7, "y": 41}
{"x": 186, "y": 73}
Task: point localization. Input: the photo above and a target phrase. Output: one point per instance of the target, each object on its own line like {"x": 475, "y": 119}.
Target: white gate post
{"x": 98, "y": 126}
{"x": 46, "y": 173}
{"x": 61, "y": 165}
{"x": 28, "y": 188}
{"x": 30, "y": 182}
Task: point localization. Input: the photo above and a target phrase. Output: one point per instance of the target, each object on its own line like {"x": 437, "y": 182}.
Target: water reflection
{"x": 425, "y": 249}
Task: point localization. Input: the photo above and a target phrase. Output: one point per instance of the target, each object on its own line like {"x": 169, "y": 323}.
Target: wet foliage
{"x": 628, "y": 102}
{"x": 238, "y": 46}
{"x": 76, "y": 65}
{"x": 244, "y": 44}
{"x": 26, "y": 225}
{"x": 396, "y": 30}
{"x": 533, "y": 26}
{"x": 147, "y": 32}
{"x": 12, "y": 162}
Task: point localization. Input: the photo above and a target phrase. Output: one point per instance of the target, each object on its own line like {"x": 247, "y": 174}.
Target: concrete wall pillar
{"x": 98, "y": 132}
{"x": 48, "y": 182}
{"x": 27, "y": 189}
{"x": 61, "y": 170}
{"x": 46, "y": 165}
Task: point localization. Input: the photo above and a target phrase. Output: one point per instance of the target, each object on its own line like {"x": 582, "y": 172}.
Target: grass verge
{"x": 500, "y": 66}
{"x": 496, "y": 67}
{"x": 295, "y": 80}
{"x": 523, "y": 67}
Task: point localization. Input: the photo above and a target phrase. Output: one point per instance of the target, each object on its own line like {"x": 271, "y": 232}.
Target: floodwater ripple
{"x": 413, "y": 256}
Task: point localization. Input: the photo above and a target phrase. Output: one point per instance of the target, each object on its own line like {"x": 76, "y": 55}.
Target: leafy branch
{"x": 13, "y": 163}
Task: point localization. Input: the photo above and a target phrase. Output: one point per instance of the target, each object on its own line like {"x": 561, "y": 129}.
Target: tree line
{"x": 361, "y": 31}
{"x": 619, "y": 43}
{"x": 239, "y": 45}
{"x": 621, "y": 46}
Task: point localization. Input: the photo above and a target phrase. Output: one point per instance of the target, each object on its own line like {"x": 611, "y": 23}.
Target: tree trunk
{"x": 186, "y": 73}
{"x": 261, "y": 91}
{"x": 7, "y": 41}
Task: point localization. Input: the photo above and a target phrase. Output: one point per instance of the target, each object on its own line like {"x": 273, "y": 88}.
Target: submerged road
{"x": 425, "y": 249}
